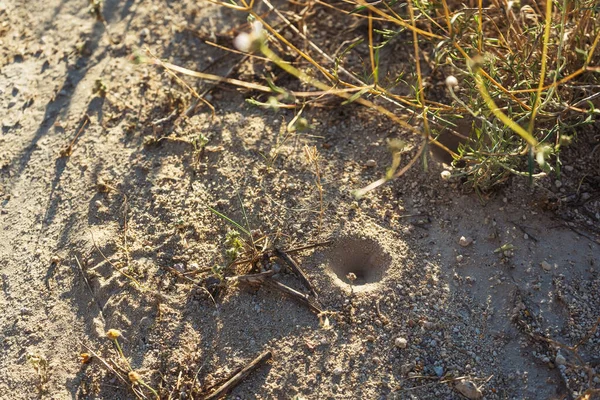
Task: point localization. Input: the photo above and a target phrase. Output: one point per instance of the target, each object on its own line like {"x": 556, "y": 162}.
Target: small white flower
{"x": 451, "y": 82}
{"x": 539, "y": 157}
{"x": 243, "y": 42}
{"x": 247, "y": 42}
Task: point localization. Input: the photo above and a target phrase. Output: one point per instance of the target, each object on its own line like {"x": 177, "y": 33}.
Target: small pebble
{"x": 459, "y": 258}
{"x": 546, "y": 266}
{"x": 401, "y": 342}
{"x": 465, "y": 241}
{"x": 179, "y": 267}
{"x": 557, "y": 183}
{"x": 338, "y": 371}
{"x": 428, "y": 325}
{"x": 469, "y": 390}
{"x": 371, "y": 163}
{"x": 560, "y": 360}
{"x": 406, "y": 368}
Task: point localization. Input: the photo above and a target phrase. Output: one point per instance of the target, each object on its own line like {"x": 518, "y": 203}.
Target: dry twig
{"x": 240, "y": 376}
{"x": 296, "y": 269}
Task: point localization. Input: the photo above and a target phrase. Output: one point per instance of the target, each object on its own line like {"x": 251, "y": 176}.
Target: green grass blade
{"x": 227, "y": 219}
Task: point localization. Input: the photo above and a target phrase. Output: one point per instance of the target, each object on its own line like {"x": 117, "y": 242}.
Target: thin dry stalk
{"x": 312, "y": 157}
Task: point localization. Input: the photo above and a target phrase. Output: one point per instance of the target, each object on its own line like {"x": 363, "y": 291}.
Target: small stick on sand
{"x": 253, "y": 278}
{"x": 239, "y": 377}
{"x": 296, "y": 269}
{"x": 301, "y": 297}
{"x": 106, "y": 364}
{"x": 308, "y": 246}
{"x": 87, "y": 283}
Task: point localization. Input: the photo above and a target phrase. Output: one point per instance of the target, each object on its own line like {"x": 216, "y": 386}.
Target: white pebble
{"x": 465, "y": 241}
{"x": 401, "y": 342}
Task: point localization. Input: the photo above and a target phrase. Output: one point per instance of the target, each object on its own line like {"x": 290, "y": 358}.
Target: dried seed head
{"x": 113, "y": 334}
{"x": 85, "y": 358}
{"x": 134, "y": 377}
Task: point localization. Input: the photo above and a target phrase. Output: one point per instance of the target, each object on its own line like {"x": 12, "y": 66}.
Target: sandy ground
{"x": 96, "y": 236}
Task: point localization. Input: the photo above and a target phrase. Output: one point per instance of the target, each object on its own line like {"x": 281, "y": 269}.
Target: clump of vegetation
{"x": 41, "y": 368}
{"x": 100, "y": 88}
{"x": 507, "y": 81}
{"x": 233, "y": 244}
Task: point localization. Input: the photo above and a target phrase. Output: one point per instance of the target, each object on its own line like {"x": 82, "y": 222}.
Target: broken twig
{"x": 254, "y": 278}
{"x": 239, "y": 377}
{"x": 106, "y": 364}
{"x": 301, "y": 297}
{"x": 296, "y": 269}
{"x": 87, "y": 283}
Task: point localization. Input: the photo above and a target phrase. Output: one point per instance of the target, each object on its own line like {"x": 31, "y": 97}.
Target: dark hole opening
{"x": 364, "y": 258}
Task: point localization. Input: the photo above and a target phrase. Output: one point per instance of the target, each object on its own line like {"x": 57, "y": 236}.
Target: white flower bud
{"x": 247, "y": 42}
{"x": 451, "y": 82}
{"x": 243, "y": 42}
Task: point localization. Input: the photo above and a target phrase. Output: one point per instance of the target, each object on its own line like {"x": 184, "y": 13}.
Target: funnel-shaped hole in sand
{"x": 362, "y": 260}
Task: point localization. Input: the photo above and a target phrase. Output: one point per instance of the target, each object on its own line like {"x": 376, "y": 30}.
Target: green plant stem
{"x": 232, "y": 222}
{"x": 506, "y": 120}
{"x": 122, "y": 355}
{"x": 141, "y": 382}
{"x": 538, "y": 95}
